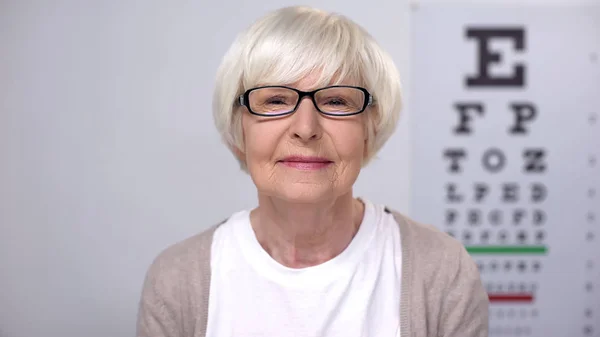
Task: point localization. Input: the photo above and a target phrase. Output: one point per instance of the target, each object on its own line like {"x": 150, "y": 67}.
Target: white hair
{"x": 290, "y": 43}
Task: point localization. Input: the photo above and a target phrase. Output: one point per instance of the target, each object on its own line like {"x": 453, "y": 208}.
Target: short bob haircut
{"x": 290, "y": 43}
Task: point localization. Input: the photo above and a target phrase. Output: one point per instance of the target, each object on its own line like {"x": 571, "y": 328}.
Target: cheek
{"x": 260, "y": 140}
{"x": 349, "y": 142}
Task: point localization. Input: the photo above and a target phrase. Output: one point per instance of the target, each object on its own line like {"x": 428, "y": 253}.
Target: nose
{"x": 306, "y": 122}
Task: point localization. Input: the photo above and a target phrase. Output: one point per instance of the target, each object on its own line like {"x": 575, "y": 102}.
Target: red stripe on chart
{"x": 521, "y": 298}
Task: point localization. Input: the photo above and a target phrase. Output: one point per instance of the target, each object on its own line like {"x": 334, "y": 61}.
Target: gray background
{"x": 108, "y": 153}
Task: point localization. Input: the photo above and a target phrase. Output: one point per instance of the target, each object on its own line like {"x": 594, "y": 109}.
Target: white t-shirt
{"x": 355, "y": 294}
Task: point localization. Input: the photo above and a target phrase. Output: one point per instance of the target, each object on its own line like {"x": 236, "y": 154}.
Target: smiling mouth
{"x": 306, "y": 163}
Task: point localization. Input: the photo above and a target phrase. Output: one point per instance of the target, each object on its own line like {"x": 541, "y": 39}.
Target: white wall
{"x": 108, "y": 153}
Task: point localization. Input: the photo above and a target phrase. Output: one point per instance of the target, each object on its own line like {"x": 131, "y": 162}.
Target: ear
{"x": 238, "y": 153}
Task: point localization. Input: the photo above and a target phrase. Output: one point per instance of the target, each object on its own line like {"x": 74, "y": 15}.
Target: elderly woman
{"x": 304, "y": 99}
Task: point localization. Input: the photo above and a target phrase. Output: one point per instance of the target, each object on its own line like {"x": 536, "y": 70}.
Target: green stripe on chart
{"x": 533, "y": 250}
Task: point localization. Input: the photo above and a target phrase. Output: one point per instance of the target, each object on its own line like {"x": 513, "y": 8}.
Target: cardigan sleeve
{"x": 159, "y": 308}
{"x": 174, "y": 299}
{"x": 465, "y": 306}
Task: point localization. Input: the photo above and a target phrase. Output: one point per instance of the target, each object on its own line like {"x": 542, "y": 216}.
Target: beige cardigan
{"x": 442, "y": 293}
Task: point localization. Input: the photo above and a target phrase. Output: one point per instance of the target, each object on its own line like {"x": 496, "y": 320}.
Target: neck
{"x": 304, "y": 235}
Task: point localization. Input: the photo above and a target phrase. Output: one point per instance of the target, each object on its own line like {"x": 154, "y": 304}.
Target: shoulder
{"x": 441, "y": 282}
{"x": 432, "y": 253}
{"x": 176, "y": 287}
{"x": 181, "y": 265}
{"x": 425, "y": 239}
{"x": 186, "y": 256}
{"x": 179, "y": 269}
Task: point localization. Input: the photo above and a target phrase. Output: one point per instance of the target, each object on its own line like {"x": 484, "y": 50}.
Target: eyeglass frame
{"x": 244, "y": 100}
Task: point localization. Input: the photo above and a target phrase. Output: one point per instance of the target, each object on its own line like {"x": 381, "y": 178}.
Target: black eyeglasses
{"x": 273, "y": 101}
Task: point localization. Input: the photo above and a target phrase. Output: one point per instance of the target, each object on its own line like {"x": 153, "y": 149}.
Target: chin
{"x": 304, "y": 193}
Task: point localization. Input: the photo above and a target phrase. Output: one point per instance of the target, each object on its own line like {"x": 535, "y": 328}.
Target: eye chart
{"x": 505, "y": 121}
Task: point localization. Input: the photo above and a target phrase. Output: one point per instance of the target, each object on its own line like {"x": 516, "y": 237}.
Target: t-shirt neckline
{"x": 318, "y": 275}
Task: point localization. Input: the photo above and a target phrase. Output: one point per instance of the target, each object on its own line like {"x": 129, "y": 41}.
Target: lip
{"x": 306, "y": 162}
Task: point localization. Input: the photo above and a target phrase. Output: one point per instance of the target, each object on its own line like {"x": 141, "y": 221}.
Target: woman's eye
{"x": 276, "y": 100}
{"x": 336, "y": 102}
